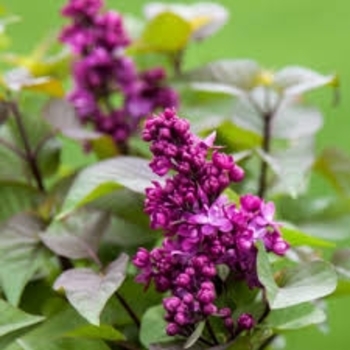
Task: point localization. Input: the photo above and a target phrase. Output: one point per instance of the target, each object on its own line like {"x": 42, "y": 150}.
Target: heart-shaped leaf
{"x": 78, "y": 235}
{"x": 105, "y": 177}
{"x": 306, "y": 282}
{"x": 295, "y": 317}
{"x": 88, "y": 291}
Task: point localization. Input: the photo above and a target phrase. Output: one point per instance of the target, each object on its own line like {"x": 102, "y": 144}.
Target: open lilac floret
{"x": 202, "y": 228}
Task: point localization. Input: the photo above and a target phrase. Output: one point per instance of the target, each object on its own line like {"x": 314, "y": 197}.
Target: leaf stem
{"x": 29, "y": 155}
{"x": 128, "y": 309}
{"x": 13, "y": 148}
{"x": 266, "y": 148}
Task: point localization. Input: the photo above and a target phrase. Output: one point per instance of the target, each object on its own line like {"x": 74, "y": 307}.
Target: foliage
{"x": 68, "y": 234}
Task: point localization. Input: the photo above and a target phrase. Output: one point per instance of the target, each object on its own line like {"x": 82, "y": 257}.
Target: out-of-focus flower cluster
{"x": 101, "y": 70}
{"x": 203, "y": 229}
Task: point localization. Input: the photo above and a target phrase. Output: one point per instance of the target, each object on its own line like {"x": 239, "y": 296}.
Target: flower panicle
{"x": 202, "y": 228}
{"x": 101, "y": 70}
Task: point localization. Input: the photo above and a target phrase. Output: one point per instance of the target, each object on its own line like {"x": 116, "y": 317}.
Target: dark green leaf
{"x": 78, "y": 235}
{"x": 88, "y": 291}
{"x": 49, "y": 157}
{"x": 105, "y": 177}
{"x": 295, "y": 317}
{"x": 236, "y": 138}
{"x": 153, "y": 326}
{"x": 105, "y": 332}
{"x": 12, "y": 319}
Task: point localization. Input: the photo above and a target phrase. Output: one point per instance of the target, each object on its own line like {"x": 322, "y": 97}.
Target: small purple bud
{"x": 225, "y": 312}
{"x": 181, "y": 319}
{"x": 183, "y": 280}
{"x": 236, "y": 174}
{"x": 250, "y": 202}
{"x": 209, "y": 309}
{"x": 246, "y": 321}
{"x": 172, "y": 329}
{"x": 171, "y": 304}
{"x": 228, "y": 322}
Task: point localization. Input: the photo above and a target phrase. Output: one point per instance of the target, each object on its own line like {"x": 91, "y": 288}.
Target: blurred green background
{"x": 313, "y": 33}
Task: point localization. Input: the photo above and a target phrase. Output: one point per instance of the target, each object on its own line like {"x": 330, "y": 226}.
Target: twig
{"x": 128, "y": 309}
{"x": 30, "y": 157}
{"x": 266, "y": 148}
{"x": 267, "y": 342}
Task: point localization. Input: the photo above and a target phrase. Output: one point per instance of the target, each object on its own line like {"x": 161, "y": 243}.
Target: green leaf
{"x": 153, "y": 327}
{"x": 176, "y": 345}
{"x": 300, "y": 284}
{"x": 325, "y": 217}
{"x": 334, "y": 165}
{"x": 20, "y": 254}
{"x": 242, "y": 75}
{"x": 195, "y": 335}
{"x": 77, "y": 236}
{"x": 293, "y": 121}
{"x": 88, "y": 291}
{"x": 292, "y": 167}
{"x": 104, "y": 331}
{"x": 296, "y": 237}
{"x": 237, "y": 138}
{"x": 49, "y": 157}
{"x": 205, "y": 18}
{"x": 12, "y": 319}
{"x": 15, "y": 166}
{"x": 105, "y": 177}
{"x": 50, "y": 335}
{"x": 297, "y": 80}
{"x": 115, "y": 314}
{"x": 265, "y": 273}
{"x": 295, "y": 317}
{"x": 16, "y": 197}
{"x": 167, "y": 32}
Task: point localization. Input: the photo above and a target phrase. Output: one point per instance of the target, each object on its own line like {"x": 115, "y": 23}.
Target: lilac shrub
{"x": 202, "y": 228}
{"x": 101, "y": 70}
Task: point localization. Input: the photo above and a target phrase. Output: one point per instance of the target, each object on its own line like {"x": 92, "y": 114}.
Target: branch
{"x": 29, "y": 155}
{"x": 128, "y": 309}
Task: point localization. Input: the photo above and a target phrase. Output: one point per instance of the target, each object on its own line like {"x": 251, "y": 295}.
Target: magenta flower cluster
{"x": 101, "y": 69}
{"x": 202, "y": 228}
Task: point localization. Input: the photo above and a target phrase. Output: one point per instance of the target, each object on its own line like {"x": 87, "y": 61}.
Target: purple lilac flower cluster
{"x": 98, "y": 40}
{"x": 203, "y": 229}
